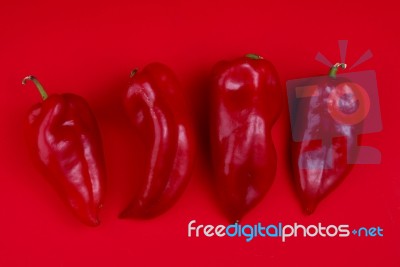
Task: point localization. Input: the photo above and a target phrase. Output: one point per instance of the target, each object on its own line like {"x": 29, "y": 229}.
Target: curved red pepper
{"x": 246, "y": 102}
{"x": 157, "y": 109}
{"x": 65, "y": 140}
{"x": 320, "y": 165}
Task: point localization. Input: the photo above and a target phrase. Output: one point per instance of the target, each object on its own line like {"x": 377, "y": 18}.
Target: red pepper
{"x": 320, "y": 165}
{"x": 157, "y": 109}
{"x": 246, "y": 102}
{"x": 65, "y": 141}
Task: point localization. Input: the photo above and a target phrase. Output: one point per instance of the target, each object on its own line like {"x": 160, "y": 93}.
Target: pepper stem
{"x": 133, "y": 72}
{"x": 334, "y": 69}
{"x": 38, "y": 85}
{"x": 254, "y": 56}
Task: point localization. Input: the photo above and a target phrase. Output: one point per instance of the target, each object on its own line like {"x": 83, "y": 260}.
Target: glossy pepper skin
{"x": 157, "y": 109}
{"x": 245, "y": 103}
{"x": 65, "y": 141}
{"x": 320, "y": 165}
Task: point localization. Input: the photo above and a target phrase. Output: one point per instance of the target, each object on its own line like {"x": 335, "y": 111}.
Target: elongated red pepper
{"x": 328, "y": 129}
{"x": 158, "y": 111}
{"x": 65, "y": 141}
{"x": 246, "y": 102}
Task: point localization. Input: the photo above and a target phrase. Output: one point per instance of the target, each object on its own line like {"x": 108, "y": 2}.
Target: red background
{"x": 90, "y": 47}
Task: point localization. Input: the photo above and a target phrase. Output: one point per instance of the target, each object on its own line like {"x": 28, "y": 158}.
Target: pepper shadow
{"x": 123, "y": 149}
{"x": 200, "y": 99}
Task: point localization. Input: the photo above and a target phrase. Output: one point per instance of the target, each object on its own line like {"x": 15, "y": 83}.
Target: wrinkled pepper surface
{"x": 328, "y": 112}
{"x": 65, "y": 141}
{"x": 156, "y": 106}
{"x": 246, "y": 101}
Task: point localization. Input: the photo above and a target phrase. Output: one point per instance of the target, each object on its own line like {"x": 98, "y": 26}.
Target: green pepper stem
{"x": 133, "y": 72}
{"x": 334, "y": 69}
{"x": 38, "y": 85}
{"x": 254, "y": 56}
